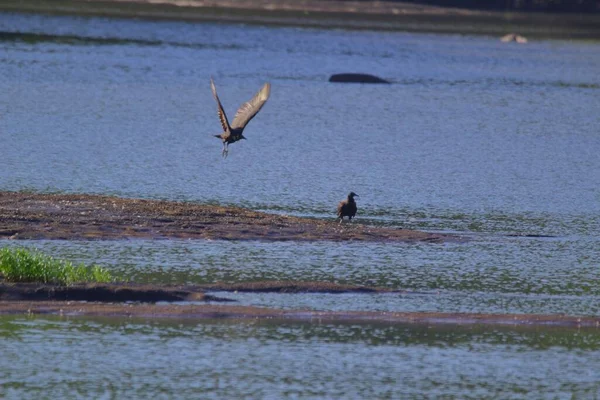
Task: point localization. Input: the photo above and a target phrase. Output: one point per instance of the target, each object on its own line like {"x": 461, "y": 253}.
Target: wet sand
{"x": 372, "y": 15}
{"x": 77, "y": 217}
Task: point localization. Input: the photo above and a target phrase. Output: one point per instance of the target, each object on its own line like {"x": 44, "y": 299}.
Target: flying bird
{"x": 347, "y": 208}
{"x": 232, "y": 133}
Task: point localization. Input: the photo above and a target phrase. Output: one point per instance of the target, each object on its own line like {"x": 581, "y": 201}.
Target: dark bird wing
{"x": 249, "y": 109}
{"x": 341, "y": 208}
{"x": 351, "y": 209}
{"x": 346, "y": 209}
{"x": 220, "y": 111}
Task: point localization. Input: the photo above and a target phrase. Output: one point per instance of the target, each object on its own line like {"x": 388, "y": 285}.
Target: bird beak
{"x": 244, "y": 137}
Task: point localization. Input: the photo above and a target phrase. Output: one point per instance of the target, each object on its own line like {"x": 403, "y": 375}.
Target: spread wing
{"x": 220, "y": 111}
{"x": 249, "y": 109}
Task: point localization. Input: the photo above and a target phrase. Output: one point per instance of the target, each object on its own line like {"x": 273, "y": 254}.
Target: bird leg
{"x": 225, "y": 149}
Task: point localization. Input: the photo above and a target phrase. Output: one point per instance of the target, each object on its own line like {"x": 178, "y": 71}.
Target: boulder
{"x": 356, "y": 78}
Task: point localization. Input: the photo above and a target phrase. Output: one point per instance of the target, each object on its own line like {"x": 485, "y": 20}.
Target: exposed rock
{"x": 356, "y": 78}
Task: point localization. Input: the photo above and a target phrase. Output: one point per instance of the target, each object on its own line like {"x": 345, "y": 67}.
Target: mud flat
{"x": 372, "y": 15}
{"x": 76, "y": 217}
{"x": 101, "y": 293}
{"x": 126, "y": 292}
{"x": 196, "y": 311}
{"x": 194, "y": 302}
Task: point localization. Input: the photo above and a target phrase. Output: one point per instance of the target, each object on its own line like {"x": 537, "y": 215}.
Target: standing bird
{"x": 232, "y": 133}
{"x": 347, "y": 208}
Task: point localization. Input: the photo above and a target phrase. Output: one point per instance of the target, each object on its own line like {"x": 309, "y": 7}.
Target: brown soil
{"x": 71, "y": 217}
{"x": 216, "y": 311}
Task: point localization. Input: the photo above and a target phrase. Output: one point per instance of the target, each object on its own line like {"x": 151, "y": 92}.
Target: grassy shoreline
{"x": 24, "y": 265}
{"x": 330, "y": 14}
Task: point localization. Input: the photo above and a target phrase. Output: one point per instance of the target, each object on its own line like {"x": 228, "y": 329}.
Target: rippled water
{"x": 58, "y": 358}
{"x": 455, "y": 277}
{"x": 495, "y": 142}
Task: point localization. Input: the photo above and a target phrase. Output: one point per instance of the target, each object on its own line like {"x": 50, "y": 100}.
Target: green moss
{"x": 24, "y": 265}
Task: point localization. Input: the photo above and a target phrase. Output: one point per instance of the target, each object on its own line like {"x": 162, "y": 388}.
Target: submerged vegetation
{"x": 24, "y": 265}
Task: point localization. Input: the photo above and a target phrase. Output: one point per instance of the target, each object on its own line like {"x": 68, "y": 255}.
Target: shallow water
{"x": 90, "y": 358}
{"x": 495, "y": 142}
{"x": 477, "y": 276}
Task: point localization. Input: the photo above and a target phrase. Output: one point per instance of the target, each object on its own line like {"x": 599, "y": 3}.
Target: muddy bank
{"x": 374, "y": 15}
{"x": 124, "y": 292}
{"x": 75, "y": 217}
{"x": 115, "y": 293}
{"x": 218, "y": 311}
{"x": 157, "y": 301}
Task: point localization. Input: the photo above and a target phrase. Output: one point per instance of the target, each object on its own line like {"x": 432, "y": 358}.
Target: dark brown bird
{"x": 347, "y": 208}
{"x": 232, "y": 133}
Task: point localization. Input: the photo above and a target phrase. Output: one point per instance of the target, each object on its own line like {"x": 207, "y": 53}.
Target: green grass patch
{"x": 24, "y": 265}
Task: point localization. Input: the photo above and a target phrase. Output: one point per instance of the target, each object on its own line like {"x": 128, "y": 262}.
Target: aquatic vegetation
{"x": 24, "y": 265}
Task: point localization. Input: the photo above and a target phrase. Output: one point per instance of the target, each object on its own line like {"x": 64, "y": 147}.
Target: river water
{"x": 497, "y": 143}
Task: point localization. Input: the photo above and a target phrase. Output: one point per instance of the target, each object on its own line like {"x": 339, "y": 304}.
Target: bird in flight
{"x": 347, "y": 208}
{"x": 232, "y": 133}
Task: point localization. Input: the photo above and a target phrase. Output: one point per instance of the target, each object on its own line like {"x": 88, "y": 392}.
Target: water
{"x": 457, "y": 277}
{"x": 494, "y": 142}
{"x": 88, "y": 358}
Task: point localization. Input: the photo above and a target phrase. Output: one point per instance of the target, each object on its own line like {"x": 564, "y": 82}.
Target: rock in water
{"x": 356, "y": 78}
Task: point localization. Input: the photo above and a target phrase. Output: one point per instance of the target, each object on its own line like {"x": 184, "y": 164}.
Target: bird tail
{"x": 219, "y": 136}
